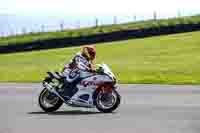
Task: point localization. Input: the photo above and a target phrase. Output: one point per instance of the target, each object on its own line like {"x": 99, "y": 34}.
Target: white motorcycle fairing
{"x": 86, "y": 87}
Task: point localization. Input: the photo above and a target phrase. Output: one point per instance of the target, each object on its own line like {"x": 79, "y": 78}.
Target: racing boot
{"x": 69, "y": 89}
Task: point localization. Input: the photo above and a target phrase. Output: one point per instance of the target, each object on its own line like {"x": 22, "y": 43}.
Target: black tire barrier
{"x": 98, "y": 38}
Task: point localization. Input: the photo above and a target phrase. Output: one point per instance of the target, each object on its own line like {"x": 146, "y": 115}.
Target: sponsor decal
{"x": 89, "y": 83}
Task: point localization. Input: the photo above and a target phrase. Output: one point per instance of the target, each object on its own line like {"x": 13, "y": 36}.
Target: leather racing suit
{"x": 72, "y": 71}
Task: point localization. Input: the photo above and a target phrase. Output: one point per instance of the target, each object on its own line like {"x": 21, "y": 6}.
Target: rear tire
{"x": 111, "y": 109}
{"x": 53, "y": 108}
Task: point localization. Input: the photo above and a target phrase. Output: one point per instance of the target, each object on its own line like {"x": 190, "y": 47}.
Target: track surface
{"x": 144, "y": 109}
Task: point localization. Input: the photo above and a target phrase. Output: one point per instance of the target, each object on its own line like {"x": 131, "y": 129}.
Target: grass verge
{"x": 172, "y": 59}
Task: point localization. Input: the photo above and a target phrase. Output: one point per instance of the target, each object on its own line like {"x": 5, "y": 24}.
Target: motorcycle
{"x": 92, "y": 90}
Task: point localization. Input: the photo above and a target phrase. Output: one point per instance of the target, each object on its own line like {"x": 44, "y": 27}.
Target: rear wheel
{"x": 107, "y": 102}
{"x": 48, "y": 101}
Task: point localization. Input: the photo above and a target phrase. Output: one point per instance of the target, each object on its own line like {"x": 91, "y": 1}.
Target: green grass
{"x": 172, "y": 59}
{"x": 20, "y": 39}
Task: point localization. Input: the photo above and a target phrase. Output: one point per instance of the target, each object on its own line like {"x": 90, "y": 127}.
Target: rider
{"x": 82, "y": 61}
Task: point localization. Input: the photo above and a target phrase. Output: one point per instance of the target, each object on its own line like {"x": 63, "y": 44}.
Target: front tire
{"x": 54, "y": 101}
{"x": 103, "y": 108}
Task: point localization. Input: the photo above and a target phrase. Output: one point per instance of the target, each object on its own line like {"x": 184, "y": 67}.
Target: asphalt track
{"x": 144, "y": 109}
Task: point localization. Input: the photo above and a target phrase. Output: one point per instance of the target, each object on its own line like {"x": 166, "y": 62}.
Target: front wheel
{"x": 48, "y": 101}
{"x": 107, "y": 102}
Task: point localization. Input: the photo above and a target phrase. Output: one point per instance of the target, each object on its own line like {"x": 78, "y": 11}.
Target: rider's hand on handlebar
{"x": 92, "y": 70}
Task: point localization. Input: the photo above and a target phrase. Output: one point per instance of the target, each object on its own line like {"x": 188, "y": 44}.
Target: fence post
{"x": 154, "y": 15}
{"x": 42, "y": 28}
{"x": 96, "y": 22}
{"x": 115, "y": 20}
{"x": 62, "y": 26}
{"x": 78, "y": 24}
{"x": 179, "y": 13}
{"x": 24, "y": 31}
{"x": 134, "y": 18}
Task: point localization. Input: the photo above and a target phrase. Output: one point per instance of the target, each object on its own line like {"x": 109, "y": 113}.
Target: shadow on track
{"x": 71, "y": 112}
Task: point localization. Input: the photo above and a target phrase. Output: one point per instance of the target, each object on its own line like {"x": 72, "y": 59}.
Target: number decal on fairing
{"x": 88, "y": 83}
